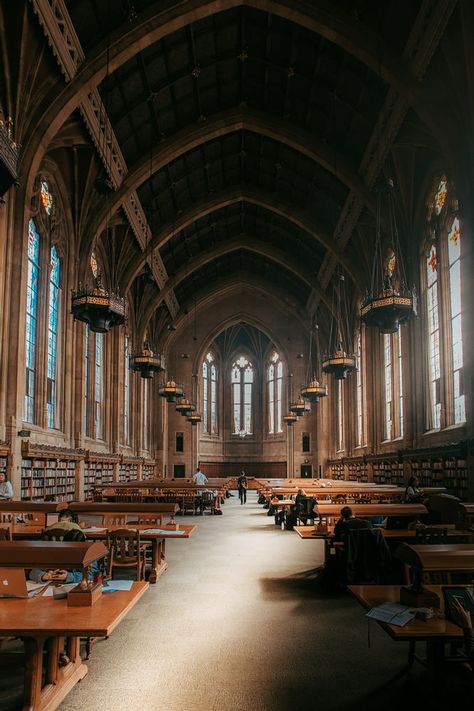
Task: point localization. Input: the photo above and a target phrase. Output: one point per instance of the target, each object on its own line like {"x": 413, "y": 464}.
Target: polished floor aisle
{"x": 235, "y": 624}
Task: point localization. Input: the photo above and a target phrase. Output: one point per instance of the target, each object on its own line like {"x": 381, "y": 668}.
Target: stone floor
{"x": 236, "y": 624}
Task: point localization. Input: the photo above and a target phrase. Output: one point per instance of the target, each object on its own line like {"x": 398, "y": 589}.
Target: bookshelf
{"x": 129, "y": 469}
{"x": 148, "y": 469}
{"x": 387, "y": 470}
{"x": 357, "y": 470}
{"x": 48, "y": 473}
{"x": 445, "y": 466}
{"x": 336, "y": 469}
{"x": 98, "y": 469}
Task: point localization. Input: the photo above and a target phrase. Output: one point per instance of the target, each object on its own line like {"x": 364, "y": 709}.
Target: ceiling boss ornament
{"x": 389, "y": 302}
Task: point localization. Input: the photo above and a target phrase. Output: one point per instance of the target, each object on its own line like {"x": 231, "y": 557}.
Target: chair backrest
{"x": 124, "y": 544}
{"x": 150, "y": 519}
{"x": 5, "y": 533}
{"x": 114, "y": 519}
{"x": 307, "y": 506}
{"x": 366, "y": 556}
{"x": 59, "y": 534}
{"x": 431, "y": 535}
{"x": 207, "y": 497}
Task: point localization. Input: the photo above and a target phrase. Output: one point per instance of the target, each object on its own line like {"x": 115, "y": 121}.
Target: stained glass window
{"x": 94, "y": 265}
{"x": 401, "y": 417}
{"x": 32, "y": 291}
{"x": 98, "y": 386}
{"x": 441, "y": 195}
{"x": 46, "y": 197}
{"x": 86, "y": 381}
{"x": 454, "y": 265}
{"x": 146, "y": 424}
{"x": 126, "y": 392}
{"x": 51, "y": 390}
{"x": 433, "y": 338}
{"x": 340, "y": 416}
{"x": 209, "y": 385}
{"x": 242, "y": 382}
{"x": 359, "y": 392}
{"x": 275, "y": 387}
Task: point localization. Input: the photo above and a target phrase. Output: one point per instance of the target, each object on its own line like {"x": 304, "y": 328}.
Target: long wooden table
{"x": 434, "y": 632}
{"x": 158, "y": 552}
{"x": 43, "y": 623}
{"x": 349, "y": 495}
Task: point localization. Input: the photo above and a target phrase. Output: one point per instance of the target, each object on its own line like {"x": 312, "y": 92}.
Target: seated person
{"x": 347, "y": 522}
{"x": 463, "y": 618}
{"x": 67, "y": 524}
{"x": 414, "y": 495}
{"x": 299, "y": 498}
{"x": 6, "y": 489}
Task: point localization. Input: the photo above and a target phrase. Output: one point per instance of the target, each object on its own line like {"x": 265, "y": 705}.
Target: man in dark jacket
{"x": 347, "y": 522}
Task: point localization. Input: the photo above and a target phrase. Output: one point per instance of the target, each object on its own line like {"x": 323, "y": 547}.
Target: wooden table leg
{"x": 33, "y": 673}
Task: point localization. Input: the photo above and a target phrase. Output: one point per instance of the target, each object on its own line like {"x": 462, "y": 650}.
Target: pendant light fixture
{"x": 171, "y": 391}
{"x": 313, "y": 389}
{"x": 291, "y": 417}
{"x": 389, "y": 302}
{"x": 146, "y": 362}
{"x": 339, "y": 361}
{"x": 194, "y": 417}
{"x": 101, "y": 308}
{"x": 185, "y": 407}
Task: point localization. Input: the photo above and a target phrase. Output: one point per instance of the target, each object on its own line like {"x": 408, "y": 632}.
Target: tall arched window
{"x": 53, "y": 313}
{"x": 94, "y": 379}
{"x": 446, "y": 402}
{"x": 209, "y": 384}
{"x": 393, "y": 385}
{"x": 126, "y": 392}
{"x": 32, "y": 292}
{"x": 275, "y": 389}
{"x": 242, "y": 383}
{"x": 145, "y": 414}
{"x": 340, "y": 415}
{"x": 360, "y": 391}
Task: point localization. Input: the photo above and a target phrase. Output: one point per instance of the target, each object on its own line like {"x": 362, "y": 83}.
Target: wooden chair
{"x": 151, "y": 519}
{"x": 5, "y": 533}
{"x": 431, "y": 536}
{"x": 59, "y": 534}
{"x": 126, "y": 551}
{"x": 114, "y": 519}
{"x": 189, "y": 503}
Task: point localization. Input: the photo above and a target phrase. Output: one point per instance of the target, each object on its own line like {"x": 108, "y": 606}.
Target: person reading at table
{"x": 414, "y": 495}
{"x": 463, "y": 618}
{"x": 349, "y": 522}
{"x": 6, "y": 488}
{"x": 72, "y": 531}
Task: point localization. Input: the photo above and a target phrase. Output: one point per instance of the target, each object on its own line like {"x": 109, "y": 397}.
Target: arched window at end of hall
{"x": 275, "y": 390}
{"x": 209, "y": 403}
{"x": 242, "y": 376}
{"x": 442, "y": 278}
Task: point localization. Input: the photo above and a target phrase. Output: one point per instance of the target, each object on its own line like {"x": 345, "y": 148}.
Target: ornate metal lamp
{"x": 313, "y": 390}
{"x": 99, "y": 308}
{"x": 194, "y": 418}
{"x": 389, "y": 302}
{"x": 290, "y": 419}
{"x": 339, "y": 362}
{"x": 299, "y": 407}
{"x": 171, "y": 390}
{"x": 146, "y": 362}
{"x": 185, "y": 407}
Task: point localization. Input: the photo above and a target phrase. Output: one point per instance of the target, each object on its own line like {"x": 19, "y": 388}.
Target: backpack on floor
{"x": 291, "y": 520}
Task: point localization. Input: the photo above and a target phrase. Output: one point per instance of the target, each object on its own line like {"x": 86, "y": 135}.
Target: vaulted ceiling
{"x": 251, "y": 133}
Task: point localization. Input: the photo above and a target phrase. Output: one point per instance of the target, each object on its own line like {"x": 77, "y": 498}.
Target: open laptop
{"x": 13, "y": 582}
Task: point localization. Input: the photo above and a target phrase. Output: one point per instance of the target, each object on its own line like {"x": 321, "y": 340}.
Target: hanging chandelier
{"x": 146, "y": 362}
{"x": 313, "y": 390}
{"x": 171, "y": 391}
{"x": 389, "y": 303}
{"x": 185, "y": 406}
{"x": 299, "y": 407}
{"x": 290, "y": 419}
{"x": 194, "y": 418}
{"x": 99, "y": 308}
{"x": 338, "y": 361}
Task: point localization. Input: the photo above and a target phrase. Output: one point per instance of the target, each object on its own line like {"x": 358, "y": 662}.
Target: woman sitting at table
{"x": 414, "y": 495}
{"x": 72, "y": 532}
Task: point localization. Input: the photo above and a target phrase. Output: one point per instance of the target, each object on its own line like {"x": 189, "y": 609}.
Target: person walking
{"x": 242, "y": 487}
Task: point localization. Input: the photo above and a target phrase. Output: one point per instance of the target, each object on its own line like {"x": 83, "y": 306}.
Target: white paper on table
{"x": 67, "y": 587}
{"x": 118, "y": 585}
{"x": 391, "y": 613}
{"x": 161, "y": 532}
{"x": 92, "y": 529}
